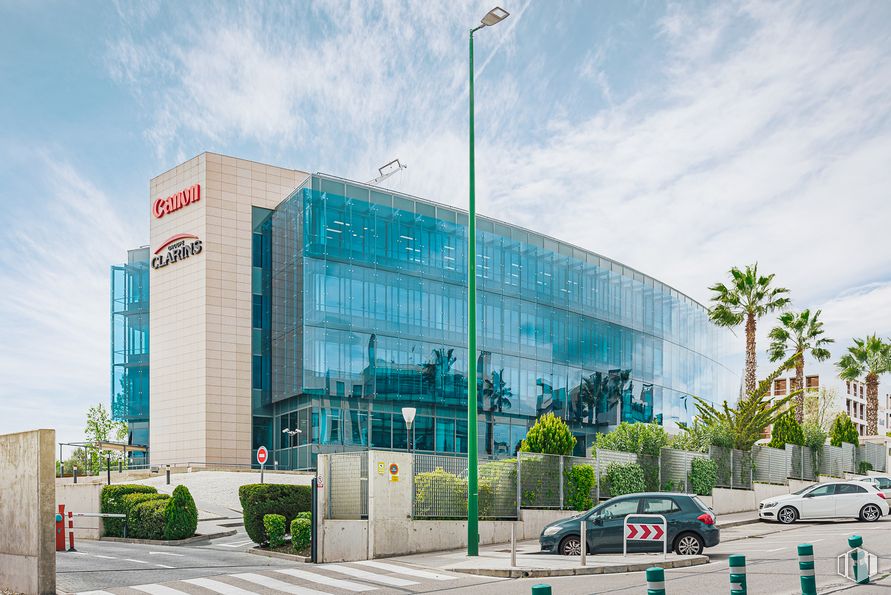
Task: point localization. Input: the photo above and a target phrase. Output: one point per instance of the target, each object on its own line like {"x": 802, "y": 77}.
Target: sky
{"x": 678, "y": 138}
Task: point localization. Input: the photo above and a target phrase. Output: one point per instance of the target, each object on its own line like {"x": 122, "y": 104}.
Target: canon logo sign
{"x": 183, "y": 198}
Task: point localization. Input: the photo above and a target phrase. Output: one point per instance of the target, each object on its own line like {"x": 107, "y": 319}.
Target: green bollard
{"x": 737, "y": 574}
{"x": 859, "y": 562}
{"x": 655, "y": 581}
{"x": 806, "y": 568}
{"x": 541, "y": 590}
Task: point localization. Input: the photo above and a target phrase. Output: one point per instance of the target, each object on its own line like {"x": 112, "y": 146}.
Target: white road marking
{"x": 157, "y": 590}
{"x": 276, "y": 584}
{"x": 407, "y": 571}
{"x": 218, "y": 587}
{"x": 105, "y": 557}
{"x": 234, "y": 544}
{"x": 94, "y": 593}
{"x": 136, "y": 561}
{"x": 325, "y": 580}
{"x": 368, "y": 576}
{"x": 165, "y": 554}
{"x": 163, "y": 566}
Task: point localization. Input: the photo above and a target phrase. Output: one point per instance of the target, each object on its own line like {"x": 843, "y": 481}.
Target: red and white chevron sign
{"x": 643, "y": 532}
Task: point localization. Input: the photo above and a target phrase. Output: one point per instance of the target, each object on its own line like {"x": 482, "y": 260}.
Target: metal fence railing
{"x": 602, "y": 460}
{"x": 675, "y": 468}
{"x": 874, "y": 454}
{"x": 803, "y": 462}
{"x": 833, "y": 462}
{"x": 348, "y": 485}
{"x": 546, "y": 481}
{"x": 439, "y": 488}
{"x": 734, "y": 467}
{"x": 771, "y": 464}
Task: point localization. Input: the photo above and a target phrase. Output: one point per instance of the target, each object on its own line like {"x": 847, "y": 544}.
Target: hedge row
{"x": 150, "y": 515}
{"x": 260, "y": 499}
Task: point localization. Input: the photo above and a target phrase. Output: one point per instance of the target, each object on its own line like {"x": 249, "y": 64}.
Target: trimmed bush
{"x": 148, "y": 519}
{"x": 274, "y": 525}
{"x": 843, "y": 430}
{"x": 550, "y": 435}
{"x": 260, "y": 499}
{"x": 703, "y": 476}
{"x": 181, "y": 515}
{"x": 580, "y": 481}
{"x": 305, "y": 515}
{"x": 863, "y": 467}
{"x": 440, "y": 486}
{"x": 111, "y": 501}
{"x": 625, "y": 478}
{"x": 130, "y": 501}
{"x": 786, "y": 430}
{"x": 301, "y": 533}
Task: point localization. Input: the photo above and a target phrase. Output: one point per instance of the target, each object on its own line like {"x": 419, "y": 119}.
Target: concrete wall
{"x": 343, "y": 541}
{"x": 27, "y": 516}
{"x": 80, "y": 498}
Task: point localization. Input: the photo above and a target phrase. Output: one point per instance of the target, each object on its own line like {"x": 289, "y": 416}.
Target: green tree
{"x": 748, "y": 297}
{"x": 550, "y": 435}
{"x": 843, "y": 430}
{"x": 698, "y": 437}
{"x": 786, "y": 430}
{"x": 102, "y": 428}
{"x": 745, "y": 421}
{"x": 869, "y": 357}
{"x": 639, "y": 438}
{"x": 799, "y": 333}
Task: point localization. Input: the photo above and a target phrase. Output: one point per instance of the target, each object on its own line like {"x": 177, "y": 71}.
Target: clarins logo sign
{"x": 183, "y": 198}
{"x": 176, "y": 248}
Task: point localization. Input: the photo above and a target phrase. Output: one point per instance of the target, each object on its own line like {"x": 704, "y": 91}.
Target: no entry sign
{"x": 644, "y": 532}
{"x": 262, "y": 455}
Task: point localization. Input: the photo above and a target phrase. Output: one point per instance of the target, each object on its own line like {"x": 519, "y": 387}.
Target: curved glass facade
{"x": 368, "y": 315}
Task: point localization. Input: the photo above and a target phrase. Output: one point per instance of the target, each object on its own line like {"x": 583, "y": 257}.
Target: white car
{"x": 841, "y": 499}
{"x": 883, "y": 483}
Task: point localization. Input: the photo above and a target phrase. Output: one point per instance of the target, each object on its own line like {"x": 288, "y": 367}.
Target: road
{"x": 769, "y": 548}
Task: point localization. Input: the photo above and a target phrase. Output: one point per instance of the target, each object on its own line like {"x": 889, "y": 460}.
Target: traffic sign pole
{"x": 262, "y": 457}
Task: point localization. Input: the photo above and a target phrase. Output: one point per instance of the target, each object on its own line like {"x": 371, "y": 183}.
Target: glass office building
{"x": 130, "y": 346}
{"x": 360, "y": 308}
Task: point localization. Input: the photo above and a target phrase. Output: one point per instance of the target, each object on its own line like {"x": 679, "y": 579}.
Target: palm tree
{"x": 870, "y": 357}
{"x": 799, "y": 333}
{"x": 749, "y": 297}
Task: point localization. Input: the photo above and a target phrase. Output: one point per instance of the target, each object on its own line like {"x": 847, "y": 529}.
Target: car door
{"x": 849, "y": 499}
{"x": 819, "y": 503}
{"x": 667, "y": 507}
{"x": 605, "y": 534}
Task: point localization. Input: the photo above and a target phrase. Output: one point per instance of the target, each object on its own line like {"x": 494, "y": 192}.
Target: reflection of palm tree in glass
{"x": 496, "y": 394}
{"x": 589, "y": 391}
{"x": 434, "y": 371}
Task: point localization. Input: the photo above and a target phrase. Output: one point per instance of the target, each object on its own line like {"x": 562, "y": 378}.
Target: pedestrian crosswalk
{"x": 323, "y": 579}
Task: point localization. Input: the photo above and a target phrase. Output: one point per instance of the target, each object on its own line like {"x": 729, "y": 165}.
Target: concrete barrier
{"x": 81, "y": 498}
{"x": 27, "y": 514}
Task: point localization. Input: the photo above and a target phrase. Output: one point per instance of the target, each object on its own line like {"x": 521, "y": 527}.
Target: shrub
{"x": 494, "y": 498}
{"x": 148, "y": 519}
{"x": 843, "y": 430}
{"x": 786, "y": 430}
{"x": 181, "y": 515}
{"x": 274, "y": 525}
{"x": 111, "y": 501}
{"x": 703, "y": 476}
{"x": 130, "y": 501}
{"x": 301, "y": 533}
{"x": 863, "y": 467}
{"x": 304, "y": 515}
{"x": 260, "y": 499}
{"x": 440, "y": 486}
{"x": 639, "y": 438}
{"x": 550, "y": 435}
{"x": 625, "y": 478}
{"x": 580, "y": 481}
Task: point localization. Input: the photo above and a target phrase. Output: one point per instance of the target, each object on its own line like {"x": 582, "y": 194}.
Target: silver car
{"x": 882, "y": 483}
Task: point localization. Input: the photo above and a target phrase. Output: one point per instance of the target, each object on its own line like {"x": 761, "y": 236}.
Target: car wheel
{"x": 688, "y": 544}
{"x": 787, "y": 515}
{"x": 870, "y": 513}
{"x": 571, "y": 546}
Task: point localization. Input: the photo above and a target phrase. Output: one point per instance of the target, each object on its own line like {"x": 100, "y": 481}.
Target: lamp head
{"x": 494, "y": 16}
{"x": 408, "y": 414}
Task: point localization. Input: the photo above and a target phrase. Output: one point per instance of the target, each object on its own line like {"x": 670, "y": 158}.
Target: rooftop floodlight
{"x": 408, "y": 414}
{"x": 495, "y": 16}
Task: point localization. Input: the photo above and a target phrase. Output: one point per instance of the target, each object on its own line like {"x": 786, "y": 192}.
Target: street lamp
{"x": 291, "y": 433}
{"x": 493, "y": 17}
{"x": 408, "y": 414}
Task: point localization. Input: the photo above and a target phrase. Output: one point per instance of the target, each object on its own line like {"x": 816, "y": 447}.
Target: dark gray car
{"x": 691, "y": 525}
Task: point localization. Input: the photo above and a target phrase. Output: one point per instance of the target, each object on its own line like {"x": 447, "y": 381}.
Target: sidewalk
{"x": 494, "y": 560}
{"x": 725, "y": 521}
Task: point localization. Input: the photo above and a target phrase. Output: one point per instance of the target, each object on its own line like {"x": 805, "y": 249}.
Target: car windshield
{"x": 803, "y": 490}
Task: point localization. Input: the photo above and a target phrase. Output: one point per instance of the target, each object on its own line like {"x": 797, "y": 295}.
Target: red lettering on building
{"x": 183, "y": 198}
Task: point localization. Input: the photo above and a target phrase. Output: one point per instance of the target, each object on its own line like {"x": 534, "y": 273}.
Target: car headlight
{"x": 551, "y": 531}
{"x": 769, "y": 504}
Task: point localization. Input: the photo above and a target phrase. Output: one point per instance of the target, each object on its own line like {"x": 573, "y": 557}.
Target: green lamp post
{"x": 493, "y": 17}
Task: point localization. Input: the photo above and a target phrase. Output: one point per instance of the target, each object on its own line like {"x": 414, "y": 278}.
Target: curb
{"x": 580, "y": 570}
{"x": 178, "y": 542}
{"x": 280, "y": 555}
{"x": 738, "y": 523}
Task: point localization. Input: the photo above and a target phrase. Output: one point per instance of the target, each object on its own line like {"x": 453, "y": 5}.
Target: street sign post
{"x": 645, "y": 531}
{"x": 262, "y": 457}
